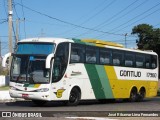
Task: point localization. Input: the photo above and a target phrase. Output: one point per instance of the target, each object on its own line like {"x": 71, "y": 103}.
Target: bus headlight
{"x": 42, "y": 90}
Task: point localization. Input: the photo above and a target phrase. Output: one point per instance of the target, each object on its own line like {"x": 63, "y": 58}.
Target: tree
{"x": 148, "y": 37}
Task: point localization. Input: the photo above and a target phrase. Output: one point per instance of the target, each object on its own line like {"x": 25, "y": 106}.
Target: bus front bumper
{"x": 30, "y": 95}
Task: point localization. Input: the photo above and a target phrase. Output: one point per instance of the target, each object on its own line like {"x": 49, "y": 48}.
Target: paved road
{"x": 89, "y": 108}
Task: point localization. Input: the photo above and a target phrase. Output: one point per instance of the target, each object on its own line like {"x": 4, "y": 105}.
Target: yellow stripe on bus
{"x": 122, "y": 88}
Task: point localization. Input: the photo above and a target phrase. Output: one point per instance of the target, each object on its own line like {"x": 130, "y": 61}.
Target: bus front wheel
{"x": 74, "y": 97}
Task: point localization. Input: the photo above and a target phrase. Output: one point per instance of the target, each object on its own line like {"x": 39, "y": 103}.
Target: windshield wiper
{"x": 29, "y": 72}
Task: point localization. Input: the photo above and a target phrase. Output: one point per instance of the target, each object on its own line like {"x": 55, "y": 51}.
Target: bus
{"x": 70, "y": 70}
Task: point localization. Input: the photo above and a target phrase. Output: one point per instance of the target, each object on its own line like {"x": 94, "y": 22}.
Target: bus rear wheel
{"x": 141, "y": 94}
{"x": 133, "y": 95}
{"x": 74, "y": 97}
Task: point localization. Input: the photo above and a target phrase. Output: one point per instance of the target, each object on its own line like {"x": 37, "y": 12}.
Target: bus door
{"x": 60, "y": 62}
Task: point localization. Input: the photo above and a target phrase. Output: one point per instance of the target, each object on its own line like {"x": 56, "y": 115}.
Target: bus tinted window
{"x": 77, "y": 53}
{"x": 117, "y": 58}
{"x": 153, "y": 62}
{"x": 105, "y": 56}
{"x": 91, "y": 54}
{"x": 148, "y": 61}
{"x": 35, "y": 48}
{"x": 129, "y": 59}
{"x": 140, "y": 60}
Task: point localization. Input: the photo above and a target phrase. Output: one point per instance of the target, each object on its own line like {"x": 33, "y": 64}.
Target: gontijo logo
{"x": 127, "y": 73}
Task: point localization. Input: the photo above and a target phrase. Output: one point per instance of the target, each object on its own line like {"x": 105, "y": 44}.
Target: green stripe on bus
{"x": 26, "y": 85}
{"x": 81, "y": 42}
{"x": 95, "y": 81}
{"x": 104, "y": 81}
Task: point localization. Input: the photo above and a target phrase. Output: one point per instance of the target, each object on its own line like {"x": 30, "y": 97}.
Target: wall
{"x": 4, "y": 80}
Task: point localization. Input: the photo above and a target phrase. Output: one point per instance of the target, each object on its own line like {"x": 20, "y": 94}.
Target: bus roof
{"x": 101, "y": 42}
{"x": 92, "y": 42}
{"x": 50, "y": 40}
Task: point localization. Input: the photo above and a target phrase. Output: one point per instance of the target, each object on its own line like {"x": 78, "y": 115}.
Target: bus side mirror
{"x": 48, "y": 61}
{"x": 5, "y": 58}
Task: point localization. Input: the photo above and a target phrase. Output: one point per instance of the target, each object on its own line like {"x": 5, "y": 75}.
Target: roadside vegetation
{"x": 3, "y": 71}
{"x": 4, "y": 88}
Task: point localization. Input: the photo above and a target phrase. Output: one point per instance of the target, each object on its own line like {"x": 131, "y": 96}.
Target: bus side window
{"x": 148, "y": 61}
{"x": 77, "y": 53}
{"x": 153, "y": 62}
{"x": 105, "y": 56}
{"x": 129, "y": 59}
{"x": 118, "y": 58}
{"x": 140, "y": 61}
{"x": 91, "y": 55}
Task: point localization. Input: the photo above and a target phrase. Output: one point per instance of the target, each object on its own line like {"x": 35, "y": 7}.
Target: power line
{"x": 138, "y": 20}
{"x": 23, "y": 18}
{"x": 97, "y": 26}
{"x": 3, "y": 21}
{"x": 65, "y": 22}
{"x": 108, "y": 5}
{"x": 99, "y": 5}
{"x": 87, "y": 20}
{"x": 5, "y": 9}
{"x": 136, "y": 16}
{"x": 117, "y": 14}
{"x": 142, "y": 3}
{"x": 15, "y": 10}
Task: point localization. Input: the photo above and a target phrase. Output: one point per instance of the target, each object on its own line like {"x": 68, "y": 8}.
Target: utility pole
{"x": 125, "y": 40}
{"x": 0, "y": 49}
{"x": 10, "y": 12}
{"x": 17, "y": 37}
{"x": 17, "y": 30}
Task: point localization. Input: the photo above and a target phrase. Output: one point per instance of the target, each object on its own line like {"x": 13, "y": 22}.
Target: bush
{"x": 3, "y": 71}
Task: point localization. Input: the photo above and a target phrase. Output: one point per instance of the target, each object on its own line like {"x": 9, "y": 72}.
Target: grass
{"x": 4, "y": 88}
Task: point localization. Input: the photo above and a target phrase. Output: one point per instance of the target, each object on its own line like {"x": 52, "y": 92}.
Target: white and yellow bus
{"x": 57, "y": 69}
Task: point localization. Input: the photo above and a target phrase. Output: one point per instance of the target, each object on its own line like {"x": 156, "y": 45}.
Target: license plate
{"x": 25, "y": 95}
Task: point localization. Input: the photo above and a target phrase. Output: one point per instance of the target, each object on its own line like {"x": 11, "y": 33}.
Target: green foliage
{"x": 3, "y": 71}
{"x": 148, "y": 37}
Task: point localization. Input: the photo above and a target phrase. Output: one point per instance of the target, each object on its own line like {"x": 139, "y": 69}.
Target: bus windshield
{"x": 28, "y": 64}
{"x": 35, "y": 48}
{"x": 29, "y": 69}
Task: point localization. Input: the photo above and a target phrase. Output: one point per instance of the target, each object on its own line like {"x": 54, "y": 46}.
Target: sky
{"x": 108, "y": 20}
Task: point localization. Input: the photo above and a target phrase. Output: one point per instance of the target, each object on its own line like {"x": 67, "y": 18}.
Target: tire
{"x": 74, "y": 97}
{"x": 133, "y": 96}
{"x": 141, "y": 95}
{"x": 39, "y": 102}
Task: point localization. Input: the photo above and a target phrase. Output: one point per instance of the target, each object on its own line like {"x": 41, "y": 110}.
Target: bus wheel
{"x": 39, "y": 102}
{"x": 133, "y": 95}
{"x": 141, "y": 94}
{"x": 74, "y": 97}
